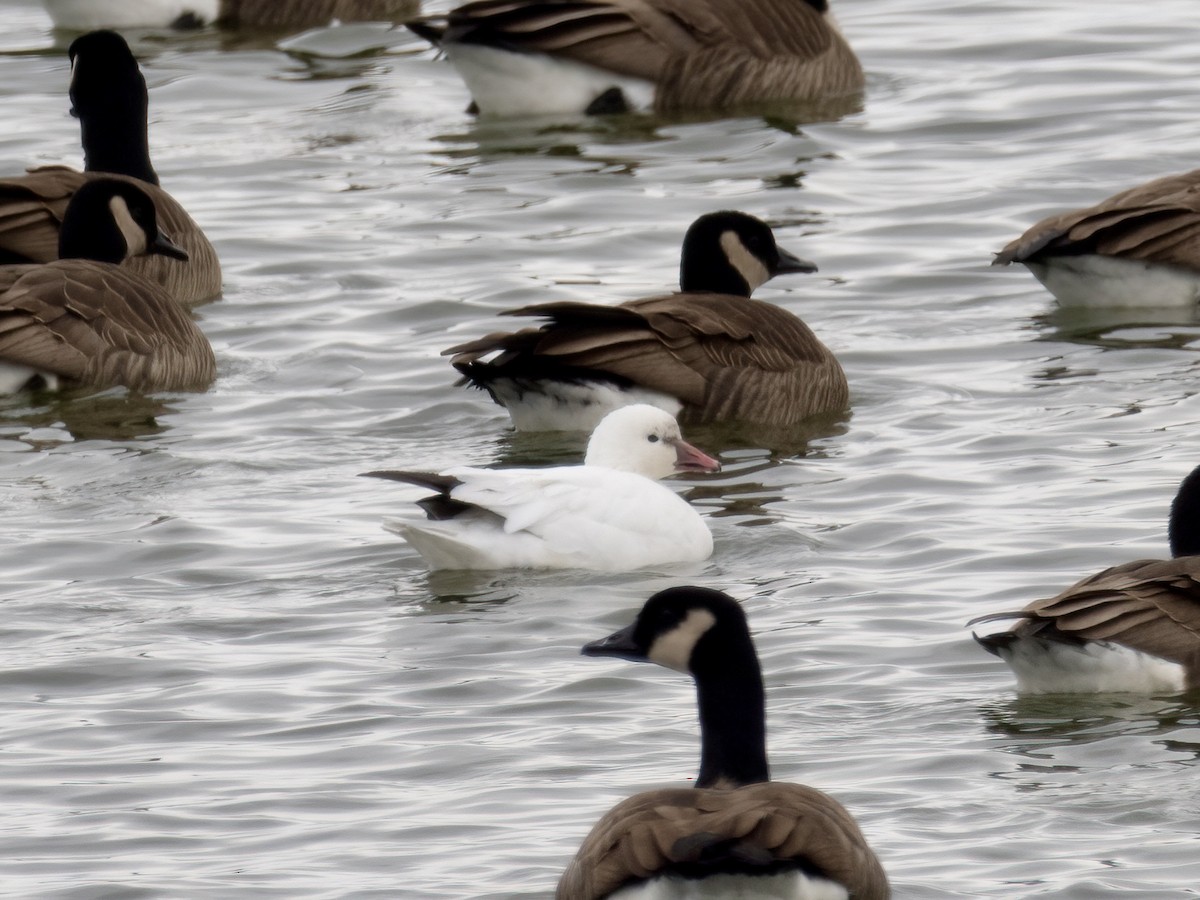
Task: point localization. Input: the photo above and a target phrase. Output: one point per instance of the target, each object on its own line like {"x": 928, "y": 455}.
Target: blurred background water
{"x": 220, "y": 677}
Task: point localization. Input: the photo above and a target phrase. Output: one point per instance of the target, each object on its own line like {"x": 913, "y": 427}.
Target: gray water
{"x": 221, "y": 678}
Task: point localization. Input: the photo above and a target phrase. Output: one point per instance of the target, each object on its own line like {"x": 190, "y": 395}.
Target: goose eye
{"x": 652, "y": 438}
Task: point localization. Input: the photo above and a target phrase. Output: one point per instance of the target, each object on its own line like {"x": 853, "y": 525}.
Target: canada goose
{"x": 608, "y": 514}
{"x": 708, "y": 353}
{"x": 1140, "y": 247}
{"x": 108, "y": 94}
{"x": 538, "y": 57}
{"x": 736, "y": 830}
{"x": 1134, "y": 627}
{"x": 86, "y": 320}
{"x": 82, "y": 15}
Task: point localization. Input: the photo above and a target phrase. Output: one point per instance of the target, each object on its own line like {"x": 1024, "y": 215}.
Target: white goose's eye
{"x": 652, "y": 438}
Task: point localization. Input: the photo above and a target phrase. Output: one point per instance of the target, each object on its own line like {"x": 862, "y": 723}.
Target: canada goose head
{"x": 731, "y": 252}
{"x": 704, "y": 633}
{"x": 110, "y": 221}
{"x": 108, "y": 96}
{"x": 1183, "y": 530}
{"x": 645, "y": 440}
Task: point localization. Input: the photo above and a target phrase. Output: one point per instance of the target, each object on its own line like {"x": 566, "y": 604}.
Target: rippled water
{"x": 222, "y": 678}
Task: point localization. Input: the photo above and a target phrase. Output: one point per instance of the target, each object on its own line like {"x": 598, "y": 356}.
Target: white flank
{"x": 1107, "y": 282}
{"x": 785, "y": 886}
{"x": 14, "y": 377}
{"x": 564, "y": 406}
{"x": 87, "y": 15}
{"x": 1096, "y": 667}
{"x": 503, "y": 83}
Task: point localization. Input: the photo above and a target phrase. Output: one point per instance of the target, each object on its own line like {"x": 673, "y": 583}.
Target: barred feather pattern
{"x": 700, "y": 53}
{"x": 1156, "y": 222}
{"x": 100, "y": 325}
{"x": 1148, "y": 605}
{"x": 766, "y": 825}
{"x": 726, "y": 358}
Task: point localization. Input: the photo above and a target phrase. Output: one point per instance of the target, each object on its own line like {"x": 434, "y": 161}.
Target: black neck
{"x": 1184, "y": 528}
{"x": 711, "y": 272}
{"x": 733, "y": 729}
{"x": 115, "y": 138}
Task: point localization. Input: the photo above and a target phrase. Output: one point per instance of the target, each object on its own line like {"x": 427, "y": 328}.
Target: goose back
{"x": 757, "y": 830}
{"x": 1155, "y": 222}
{"x": 1144, "y": 616}
{"x": 100, "y": 325}
{"x": 698, "y": 53}
{"x": 724, "y": 357}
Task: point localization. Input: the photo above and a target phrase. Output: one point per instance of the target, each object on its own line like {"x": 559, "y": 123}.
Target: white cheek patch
{"x": 674, "y": 649}
{"x": 135, "y": 237}
{"x": 748, "y": 265}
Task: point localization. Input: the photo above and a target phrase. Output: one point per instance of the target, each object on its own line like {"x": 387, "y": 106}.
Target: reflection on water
{"x": 1171, "y": 328}
{"x": 46, "y": 419}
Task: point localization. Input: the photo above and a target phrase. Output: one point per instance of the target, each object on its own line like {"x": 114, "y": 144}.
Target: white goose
{"x": 608, "y": 514}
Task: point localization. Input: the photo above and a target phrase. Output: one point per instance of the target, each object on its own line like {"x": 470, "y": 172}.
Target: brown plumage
{"x": 712, "y": 54}
{"x": 726, "y": 358}
{"x": 760, "y": 824}
{"x": 1148, "y": 605}
{"x": 1156, "y": 222}
{"x": 31, "y": 212}
{"x": 100, "y": 325}
{"x": 86, "y": 320}
{"x": 311, "y": 13}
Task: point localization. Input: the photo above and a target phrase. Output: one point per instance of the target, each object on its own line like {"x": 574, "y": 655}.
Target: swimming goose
{"x": 1140, "y": 247}
{"x": 707, "y": 354}
{"x": 545, "y": 57}
{"x": 736, "y": 833}
{"x": 108, "y": 94}
{"x": 1134, "y": 627}
{"x": 608, "y": 514}
{"x": 82, "y": 15}
{"x": 86, "y": 320}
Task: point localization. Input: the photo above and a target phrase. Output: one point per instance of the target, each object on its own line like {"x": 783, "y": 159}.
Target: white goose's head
{"x": 645, "y": 440}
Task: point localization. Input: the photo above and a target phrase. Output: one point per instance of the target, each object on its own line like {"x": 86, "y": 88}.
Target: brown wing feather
{"x": 649, "y": 833}
{"x": 1148, "y": 605}
{"x": 312, "y": 13}
{"x": 1157, "y": 222}
{"x": 99, "y": 325}
{"x": 699, "y": 53}
{"x": 31, "y": 211}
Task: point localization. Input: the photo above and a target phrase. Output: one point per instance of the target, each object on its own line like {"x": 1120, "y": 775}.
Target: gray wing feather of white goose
{"x": 31, "y": 211}
{"x": 711, "y": 54}
{"x": 99, "y": 325}
{"x": 758, "y": 824}
{"x": 726, "y": 358}
{"x": 1155, "y": 222}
